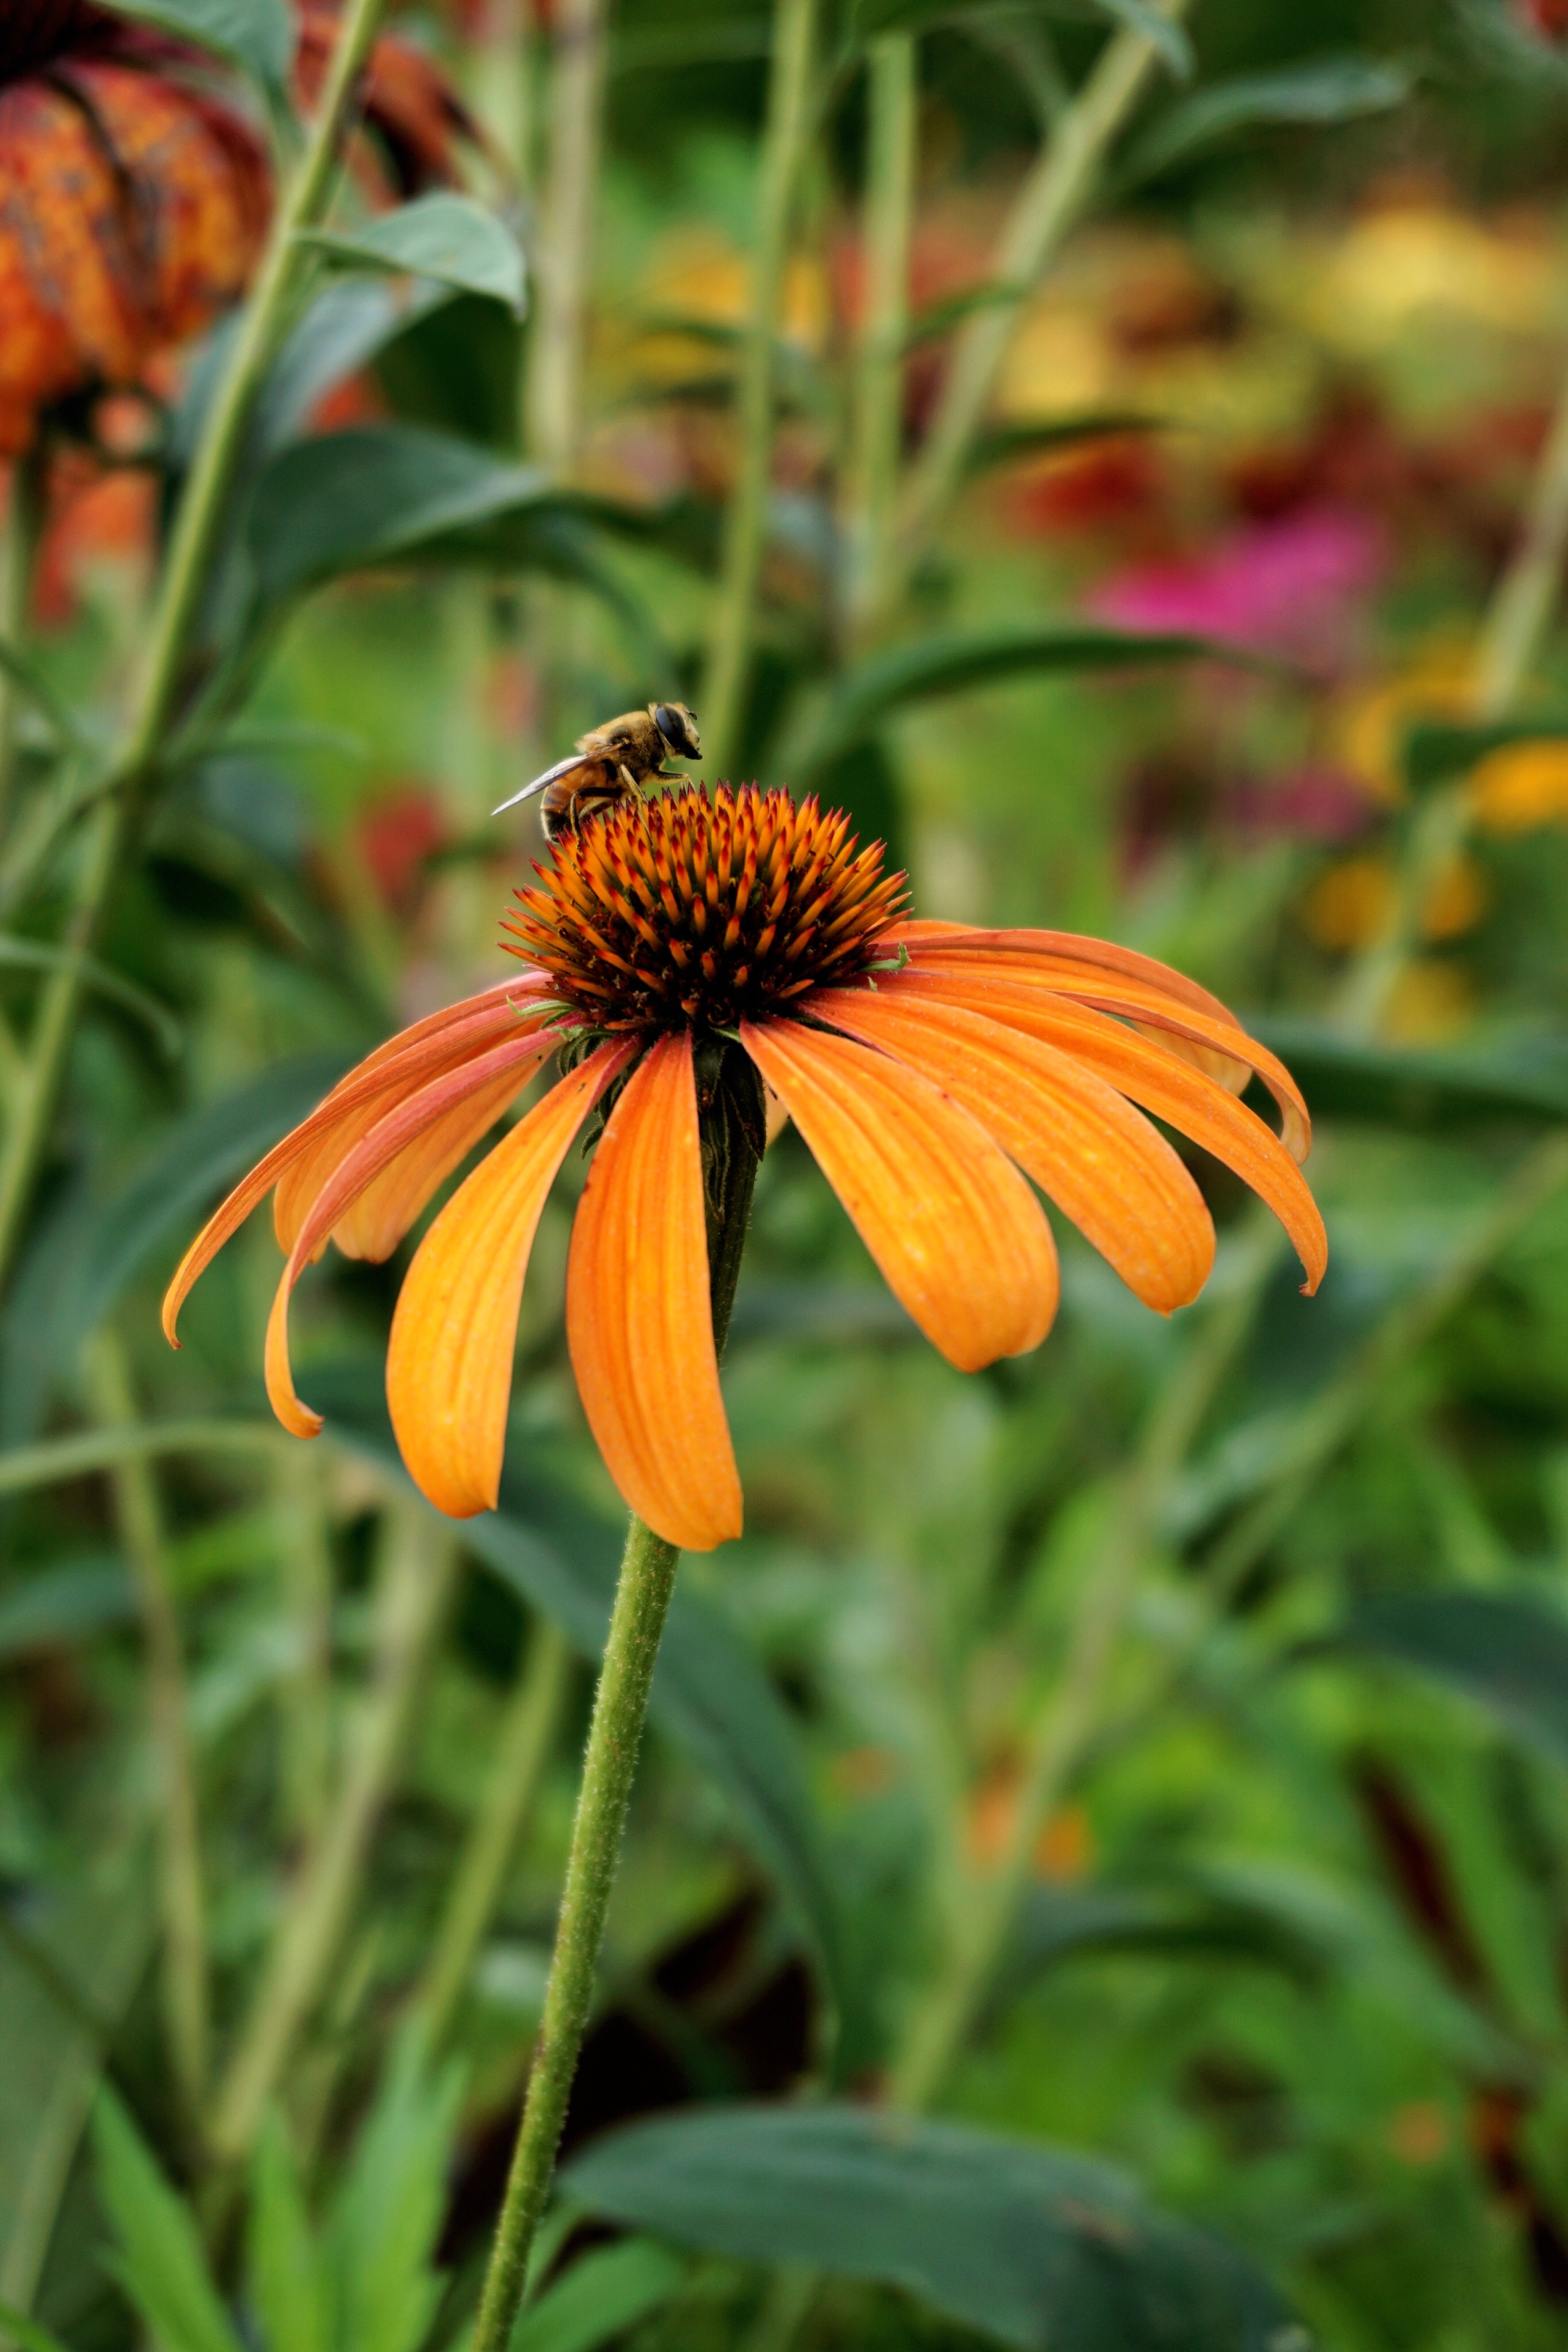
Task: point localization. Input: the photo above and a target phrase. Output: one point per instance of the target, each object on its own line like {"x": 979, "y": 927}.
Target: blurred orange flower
{"x": 132, "y": 206}
{"x": 929, "y": 1067}
{"x": 1520, "y": 786}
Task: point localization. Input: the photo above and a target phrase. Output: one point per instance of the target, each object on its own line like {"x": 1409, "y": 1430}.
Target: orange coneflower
{"x": 131, "y": 205}
{"x": 930, "y": 1068}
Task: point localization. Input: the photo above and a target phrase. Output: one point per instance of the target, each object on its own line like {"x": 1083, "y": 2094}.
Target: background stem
{"x": 1046, "y": 208}
{"x": 565, "y": 246}
{"x": 417, "y": 1572}
{"x": 524, "y": 1741}
{"x": 878, "y": 412}
{"x": 197, "y": 523}
{"x": 745, "y": 523}
{"x": 186, "y": 2005}
{"x": 23, "y": 524}
{"x": 300, "y": 1507}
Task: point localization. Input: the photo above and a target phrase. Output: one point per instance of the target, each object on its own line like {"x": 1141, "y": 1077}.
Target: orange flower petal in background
{"x": 1100, "y": 1159}
{"x": 1143, "y": 1070}
{"x": 414, "y": 1134}
{"x": 961, "y": 1240}
{"x": 448, "y": 1365}
{"x": 639, "y": 1314}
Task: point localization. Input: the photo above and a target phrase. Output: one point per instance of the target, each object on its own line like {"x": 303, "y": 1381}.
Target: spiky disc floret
{"x": 697, "y": 912}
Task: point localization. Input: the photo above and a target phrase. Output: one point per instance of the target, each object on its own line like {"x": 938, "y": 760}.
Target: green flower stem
{"x": 879, "y": 371}
{"x": 305, "y": 1549}
{"x": 985, "y": 1915}
{"x": 785, "y": 138}
{"x": 1048, "y": 205}
{"x": 565, "y": 249}
{"x": 54, "y": 1459}
{"x": 187, "y": 2002}
{"x": 419, "y": 1572}
{"x": 23, "y": 524}
{"x": 609, "y": 1766}
{"x": 526, "y": 1738}
{"x": 1513, "y": 632}
{"x": 197, "y": 526}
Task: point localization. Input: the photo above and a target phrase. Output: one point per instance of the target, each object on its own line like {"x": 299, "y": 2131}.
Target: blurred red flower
{"x": 1290, "y": 587}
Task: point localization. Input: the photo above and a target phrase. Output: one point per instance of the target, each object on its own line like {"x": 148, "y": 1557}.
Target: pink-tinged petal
{"x": 962, "y": 1242}
{"x": 403, "y": 1129}
{"x": 1144, "y": 1069}
{"x": 449, "y": 1366}
{"x": 639, "y": 1315}
{"x": 1212, "y": 1043}
{"x": 1100, "y": 1159}
{"x": 401, "y": 1067}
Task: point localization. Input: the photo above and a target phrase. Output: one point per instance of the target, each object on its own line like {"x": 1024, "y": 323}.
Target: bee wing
{"x": 552, "y": 775}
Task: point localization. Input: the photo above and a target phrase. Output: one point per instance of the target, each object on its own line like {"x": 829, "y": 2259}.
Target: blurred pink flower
{"x": 1291, "y": 587}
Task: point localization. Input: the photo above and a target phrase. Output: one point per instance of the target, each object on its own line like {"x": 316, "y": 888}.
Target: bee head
{"x": 679, "y": 728}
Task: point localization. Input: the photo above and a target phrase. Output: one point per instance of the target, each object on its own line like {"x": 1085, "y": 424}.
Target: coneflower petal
{"x": 1028, "y": 949}
{"x": 961, "y": 1240}
{"x": 403, "y": 1064}
{"x": 448, "y": 1365}
{"x": 387, "y": 1208}
{"x": 638, "y": 1314}
{"x": 1211, "y": 1042}
{"x": 1100, "y": 1159}
{"x": 1143, "y": 1069}
{"x": 488, "y": 1082}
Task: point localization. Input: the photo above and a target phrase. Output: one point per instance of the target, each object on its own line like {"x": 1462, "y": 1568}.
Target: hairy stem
{"x": 197, "y": 525}
{"x": 879, "y": 367}
{"x": 745, "y": 524}
{"x": 23, "y": 524}
{"x": 186, "y": 2005}
{"x": 1067, "y": 1724}
{"x": 417, "y": 1573}
{"x": 523, "y": 1744}
{"x": 576, "y": 101}
{"x": 1050, "y": 203}
{"x": 609, "y": 1768}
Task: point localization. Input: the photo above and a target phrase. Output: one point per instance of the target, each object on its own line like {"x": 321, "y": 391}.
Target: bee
{"x": 610, "y": 762}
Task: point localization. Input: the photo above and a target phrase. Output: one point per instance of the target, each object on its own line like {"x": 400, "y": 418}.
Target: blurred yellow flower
{"x": 1520, "y": 786}
{"x": 1373, "y": 725}
{"x": 1408, "y": 260}
{"x": 1347, "y": 907}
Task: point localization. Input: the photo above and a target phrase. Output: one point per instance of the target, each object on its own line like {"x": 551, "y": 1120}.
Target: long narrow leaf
{"x": 443, "y": 236}
{"x": 160, "y": 2260}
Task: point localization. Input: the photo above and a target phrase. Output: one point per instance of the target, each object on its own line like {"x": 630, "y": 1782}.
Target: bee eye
{"x": 677, "y": 726}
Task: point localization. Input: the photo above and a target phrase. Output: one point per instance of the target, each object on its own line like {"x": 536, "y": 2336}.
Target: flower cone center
{"x": 699, "y": 911}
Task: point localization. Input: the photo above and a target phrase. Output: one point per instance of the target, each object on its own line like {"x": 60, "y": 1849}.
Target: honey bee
{"x": 610, "y": 762}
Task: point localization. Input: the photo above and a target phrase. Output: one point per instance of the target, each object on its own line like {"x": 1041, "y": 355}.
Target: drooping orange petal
{"x": 492, "y": 1080}
{"x": 448, "y": 1365}
{"x": 387, "y": 1208}
{"x": 1149, "y": 1074}
{"x": 1030, "y": 950}
{"x": 639, "y": 1314}
{"x": 1210, "y": 1042}
{"x": 1100, "y": 1159}
{"x": 402, "y": 1065}
{"x": 961, "y": 1240}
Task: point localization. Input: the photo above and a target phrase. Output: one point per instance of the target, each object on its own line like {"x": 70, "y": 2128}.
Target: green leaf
{"x": 1416, "y": 1087}
{"x": 1509, "y": 1652}
{"x": 444, "y": 236}
{"x": 388, "y": 2216}
{"x": 22, "y": 674}
{"x": 256, "y": 35}
{"x": 1061, "y": 1923}
{"x": 1434, "y": 752}
{"x": 708, "y": 1692}
{"x": 66, "y": 1601}
{"x": 378, "y": 494}
{"x": 284, "y": 2274}
{"x": 952, "y": 661}
{"x": 94, "y": 1936}
{"x": 160, "y": 2262}
{"x": 1329, "y": 89}
{"x": 604, "y": 2291}
{"x": 1003, "y": 445}
{"x": 28, "y": 2333}
{"x": 36, "y": 955}
{"x": 1030, "y": 2244}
